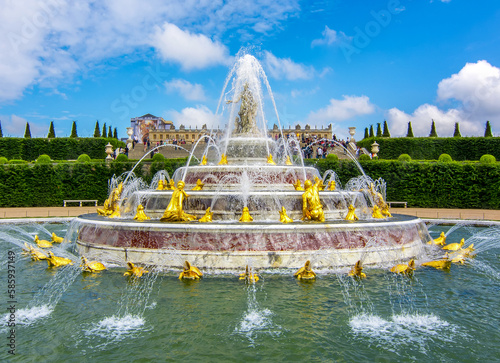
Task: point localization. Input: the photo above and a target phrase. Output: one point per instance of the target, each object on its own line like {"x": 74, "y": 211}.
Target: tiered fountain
{"x": 249, "y": 177}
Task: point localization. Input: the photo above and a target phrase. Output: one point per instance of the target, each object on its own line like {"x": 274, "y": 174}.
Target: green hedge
{"x": 429, "y": 148}
{"x": 58, "y": 149}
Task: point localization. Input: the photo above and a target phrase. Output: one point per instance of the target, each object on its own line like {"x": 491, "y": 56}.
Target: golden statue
{"x": 357, "y": 271}
{"x": 283, "y": 216}
{"x": 204, "y": 160}
{"x": 351, "y": 214}
{"x": 288, "y": 161}
{"x": 441, "y": 240}
{"x": 135, "y": 271}
{"x": 297, "y": 185}
{"x": 223, "y": 160}
{"x": 92, "y": 266}
{"x": 248, "y": 276}
{"x": 311, "y": 204}
{"x": 174, "y": 211}
{"x": 377, "y": 213}
{"x": 460, "y": 255}
{"x": 199, "y": 185}
{"x": 440, "y": 264}
{"x": 385, "y": 211}
{"x": 54, "y": 261}
{"x": 42, "y": 243}
{"x": 245, "y": 216}
{"x": 207, "y": 217}
{"x": 404, "y": 269}
{"x": 321, "y": 186}
{"x": 171, "y": 185}
{"x": 270, "y": 160}
{"x": 454, "y": 246}
{"x": 190, "y": 272}
{"x": 56, "y": 239}
{"x": 305, "y": 273}
{"x": 140, "y": 215}
{"x": 161, "y": 185}
{"x": 332, "y": 185}
{"x": 377, "y": 197}
{"x": 36, "y": 255}
{"x": 112, "y": 204}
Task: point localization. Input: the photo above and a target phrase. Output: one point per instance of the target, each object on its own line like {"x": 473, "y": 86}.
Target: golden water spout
{"x": 305, "y": 272}
{"x": 190, "y": 272}
{"x": 199, "y": 185}
{"x": 284, "y": 218}
{"x": 245, "y": 216}
{"x": 351, "y": 214}
{"x": 141, "y": 215}
{"x": 207, "y": 217}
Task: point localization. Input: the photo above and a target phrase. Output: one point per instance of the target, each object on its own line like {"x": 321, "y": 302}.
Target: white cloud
{"x": 280, "y": 68}
{"x": 344, "y": 109}
{"x": 330, "y": 37}
{"x": 14, "y": 126}
{"x": 477, "y": 89}
{"x": 194, "y": 117}
{"x": 191, "y": 51}
{"x": 189, "y": 91}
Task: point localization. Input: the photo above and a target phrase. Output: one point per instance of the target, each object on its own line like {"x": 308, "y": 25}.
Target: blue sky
{"x": 349, "y": 63}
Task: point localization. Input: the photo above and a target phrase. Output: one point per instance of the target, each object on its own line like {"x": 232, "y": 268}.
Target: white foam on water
{"x": 28, "y": 316}
{"x": 256, "y": 322}
{"x": 115, "y": 327}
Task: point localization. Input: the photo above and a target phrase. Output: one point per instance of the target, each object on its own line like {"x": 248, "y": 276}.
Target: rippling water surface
{"x": 63, "y": 315}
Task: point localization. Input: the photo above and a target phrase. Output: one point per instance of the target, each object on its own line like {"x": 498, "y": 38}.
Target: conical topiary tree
{"x": 115, "y": 133}
{"x": 456, "y": 133}
{"x": 367, "y": 135}
{"x": 487, "y": 132}
{"x": 379, "y": 130}
{"x": 110, "y": 132}
{"x": 386, "y": 132}
{"x": 409, "y": 133}
{"x": 27, "y": 132}
{"x": 433, "y": 130}
{"x": 52, "y": 133}
{"x": 1, "y": 135}
{"x": 73, "y": 130}
{"x": 97, "y": 130}
{"x": 371, "y": 131}
{"x": 104, "y": 133}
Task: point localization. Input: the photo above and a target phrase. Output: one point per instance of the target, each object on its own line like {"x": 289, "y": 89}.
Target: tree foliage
{"x": 409, "y": 133}
{"x": 97, "y": 131}
{"x": 433, "y": 130}
{"x": 27, "y": 132}
{"x": 52, "y": 133}
{"x": 74, "y": 134}
{"x": 456, "y": 133}
{"x": 379, "y": 130}
{"x": 487, "y": 131}
{"x": 104, "y": 133}
{"x": 386, "y": 132}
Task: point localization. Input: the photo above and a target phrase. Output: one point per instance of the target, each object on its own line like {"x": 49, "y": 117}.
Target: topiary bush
{"x": 445, "y": 158}
{"x": 43, "y": 159}
{"x": 3, "y": 160}
{"x": 121, "y": 158}
{"x": 488, "y": 159}
{"x": 364, "y": 157}
{"x": 84, "y": 158}
{"x": 158, "y": 157}
{"x": 404, "y": 158}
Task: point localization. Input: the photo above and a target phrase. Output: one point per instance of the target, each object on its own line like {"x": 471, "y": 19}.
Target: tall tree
{"x": 367, "y": 135}
{"x": 433, "y": 130}
{"x": 487, "y": 132}
{"x": 115, "y": 133}
{"x": 52, "y": 133}
{"x": 1, "y": 135}
{"x": 456, "y": 133}
{"x": 371, "y": 131}
{"x": 110, "y": 132}
{"x": 97, "y": 130}
{"x": 104, "y": 133}
{"x": 73, "y": 130}
{"x": 27, "y": 132}
{"x": 379, "y": 130}
{"x": 386, "y": 132}
{"x": 409, "y": 133}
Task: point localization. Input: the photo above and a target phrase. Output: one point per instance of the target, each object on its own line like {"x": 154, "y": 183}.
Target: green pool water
{"x": 63, "y": 315}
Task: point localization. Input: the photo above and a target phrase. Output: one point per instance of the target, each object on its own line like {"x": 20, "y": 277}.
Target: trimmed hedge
{"x": 429, "y": 148}
{"x": 58, "y": 149}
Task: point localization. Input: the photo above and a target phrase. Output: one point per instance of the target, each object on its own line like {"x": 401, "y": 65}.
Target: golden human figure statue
{"x": 357, "y": 271}
{"x": 270, "y": 160}
{"x": 331, "y": 185}
{"x": 171, "y": 185}
{"x": 305, "y": 272}
{"x": 245, "y": 216}
{"x": 204, "y": 160}
{"x": 199, "y": 185}
{"x": 311, "y": 204}
{"x": 283, "y": 216}
{"x": 190, "y": 272}
{"x": 297, "y": 185}
{"x": 385, "y": 211}
{"x": 161, "y": 185}
{"x": 141, "y": 215}
{"x": 249, "y": 276}
{"x": 351, "y": 214}
{"x": 223, "y": 160}
{"x": 321, "y": 186}
{"x": 174, "y": 211}
{"x": 135, "y": 271}
{"x": 288, "y": 161}
{"x": 55, "y": 261}
{"x": 112, "y": 204}
{"x": 207, "y": 217}
{"x": 377, "y": 213}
